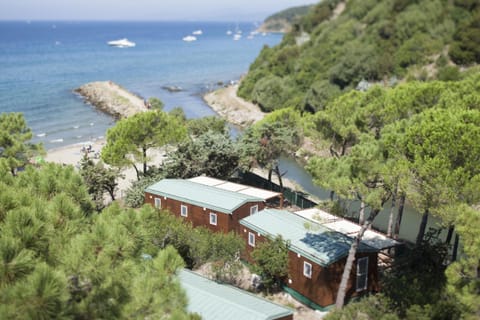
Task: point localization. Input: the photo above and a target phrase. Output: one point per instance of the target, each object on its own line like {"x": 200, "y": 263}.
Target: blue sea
{"x": 41, "y": 63}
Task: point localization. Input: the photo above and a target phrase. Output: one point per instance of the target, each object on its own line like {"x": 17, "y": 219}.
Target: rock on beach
{"x": 112, "y": 98}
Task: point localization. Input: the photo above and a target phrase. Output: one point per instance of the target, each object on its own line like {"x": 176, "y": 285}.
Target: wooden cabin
{"x": 317, "y": 256}
{"x": 212, "y": 300}
{"x": 212, "y": 203}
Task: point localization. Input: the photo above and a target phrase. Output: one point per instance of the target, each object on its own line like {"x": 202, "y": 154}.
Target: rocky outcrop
{"x": 232, "y": 108}
{"x": 112, "y": 98}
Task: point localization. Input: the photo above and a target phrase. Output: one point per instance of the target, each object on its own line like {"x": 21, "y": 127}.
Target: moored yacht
{"x": 189, "y": 38}
{"x": 121, "y": 43}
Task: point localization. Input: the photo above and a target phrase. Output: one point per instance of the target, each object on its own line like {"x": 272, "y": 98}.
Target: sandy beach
{"x": 224, "y": 101}
{"x": 73, "y": 154}
{"x": 234, "y": 109}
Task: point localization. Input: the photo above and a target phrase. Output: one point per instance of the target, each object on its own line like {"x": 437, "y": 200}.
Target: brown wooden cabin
{"x": 317, "y": 256}
{"x": 212, "y": 203}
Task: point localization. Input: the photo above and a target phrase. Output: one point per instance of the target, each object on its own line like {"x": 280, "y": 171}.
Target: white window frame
{"x": 362, "y": 276}
{"x": 184, "y": 210}
{"x": 213, "y": 215}
{"x": 254, "y": 209}
{"x": 251, "y": 239}
{"x": 157, "y": 202}
{"x": 307, "y": 269}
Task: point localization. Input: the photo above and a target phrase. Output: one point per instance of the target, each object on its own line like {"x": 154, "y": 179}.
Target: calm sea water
{"x": 42, "y": 62}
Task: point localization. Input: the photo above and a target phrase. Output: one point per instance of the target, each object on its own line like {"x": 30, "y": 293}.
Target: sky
{"x": 192, "y": 10}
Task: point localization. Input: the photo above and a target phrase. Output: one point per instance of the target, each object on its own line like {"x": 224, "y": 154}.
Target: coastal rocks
{"x": 112, "y": 98}
{"x": 232, "y": 108}
{"x": 172, "y": 88}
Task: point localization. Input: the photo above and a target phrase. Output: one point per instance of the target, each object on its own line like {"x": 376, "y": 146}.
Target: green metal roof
{"x": 219, "y": 301}
{"x": 201, "y": 195}
{"x": 309, "y": 239}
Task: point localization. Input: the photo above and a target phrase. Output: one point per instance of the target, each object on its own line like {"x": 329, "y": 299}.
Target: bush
{"x": 449, "y": 73}
{"x": 320, "y": 93}
{"x": 135, "y": 195}
{"x": 270, "y": 93}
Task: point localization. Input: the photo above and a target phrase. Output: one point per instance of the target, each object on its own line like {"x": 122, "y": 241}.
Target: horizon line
{"x": 126, "y": 20}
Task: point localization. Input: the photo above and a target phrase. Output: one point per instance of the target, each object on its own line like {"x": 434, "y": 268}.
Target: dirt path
{"x": 235, "y": 110}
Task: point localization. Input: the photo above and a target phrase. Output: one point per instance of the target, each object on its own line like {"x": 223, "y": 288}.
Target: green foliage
{"x": 372, "y": 40}
{"x": 99, "y": 179}
{"x": 130, "y": 139}
{"x": 449, "y": 73}
{"x": 465, "y": 49}
{"x": 417, "y": 277}
{"x": 155, "y": 103}
{"x": 178, "y": 113}
{"x": 199, "y": 126}
{"x": 319, "y": 95}
{"x": 289, "y": 14}
{"x": 59, "y": 260}
{"x": 463, "y": 277}
{"x": 14, "y": 145}
{"x": 264, "y": 142}
{"x": 271, "y": 262}
{"x": 135, "y": 195}
{"x": 213, "y": 154}
{"x": 375, "y": 307}
{"x": 270, "y": 93}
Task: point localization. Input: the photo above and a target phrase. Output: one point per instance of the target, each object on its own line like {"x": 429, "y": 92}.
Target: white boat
{"x": 197, "y": 32}
{"x": 237, "y": 37}
{"x": 189, "y": 38}
{"x": 121, "y": 43}
{"x": 229, "y": 32}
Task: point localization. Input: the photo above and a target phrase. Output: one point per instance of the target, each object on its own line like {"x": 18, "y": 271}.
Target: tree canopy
{"x": 60, "y": 259}
{"x": 329, "y": 51}
{"x": 15, "y": 147}
{"x": 130, "y": 139}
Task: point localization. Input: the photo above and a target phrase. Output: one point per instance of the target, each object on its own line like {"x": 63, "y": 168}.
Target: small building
{"x": 212, "y": 203}
{"x": 317, "y": 256}
{"x": 214, "y": 301}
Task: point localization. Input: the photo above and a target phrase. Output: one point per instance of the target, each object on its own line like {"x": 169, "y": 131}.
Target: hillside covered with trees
{"x": 283, "y": 20}
{"x": 337, "y": 44}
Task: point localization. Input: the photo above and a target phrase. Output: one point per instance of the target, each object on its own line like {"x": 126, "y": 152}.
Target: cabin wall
{"x": 199, "y": 216}
{"x": 323, "y": 285}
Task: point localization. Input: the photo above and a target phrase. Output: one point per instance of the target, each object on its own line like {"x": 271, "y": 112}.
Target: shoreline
{"x": 111, "y": 98}
{"x": 223, "y": 101}
{"x": 233, "y": 109}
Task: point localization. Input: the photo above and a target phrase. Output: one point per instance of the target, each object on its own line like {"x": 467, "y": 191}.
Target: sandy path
{"x": 235, "y": 110}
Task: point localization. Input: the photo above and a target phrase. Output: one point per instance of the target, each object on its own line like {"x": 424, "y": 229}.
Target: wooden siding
{"x": 199, "y": 216}
{"x": 323, "y": 285}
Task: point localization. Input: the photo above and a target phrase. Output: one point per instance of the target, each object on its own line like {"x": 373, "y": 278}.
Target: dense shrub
{"x": 270, "y": 93}
{"x": 372, "y": 40}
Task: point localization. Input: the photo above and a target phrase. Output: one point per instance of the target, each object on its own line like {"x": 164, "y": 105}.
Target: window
{"x": 158, "y": 203}
{"x": 184, "y": 211}
{"x": 251, "y": 239}
{"x": 307, "y": 269}
{"x": 253, "y": 209}
{"x": 213, "y": 218}
{"x": 362, "y": 273}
